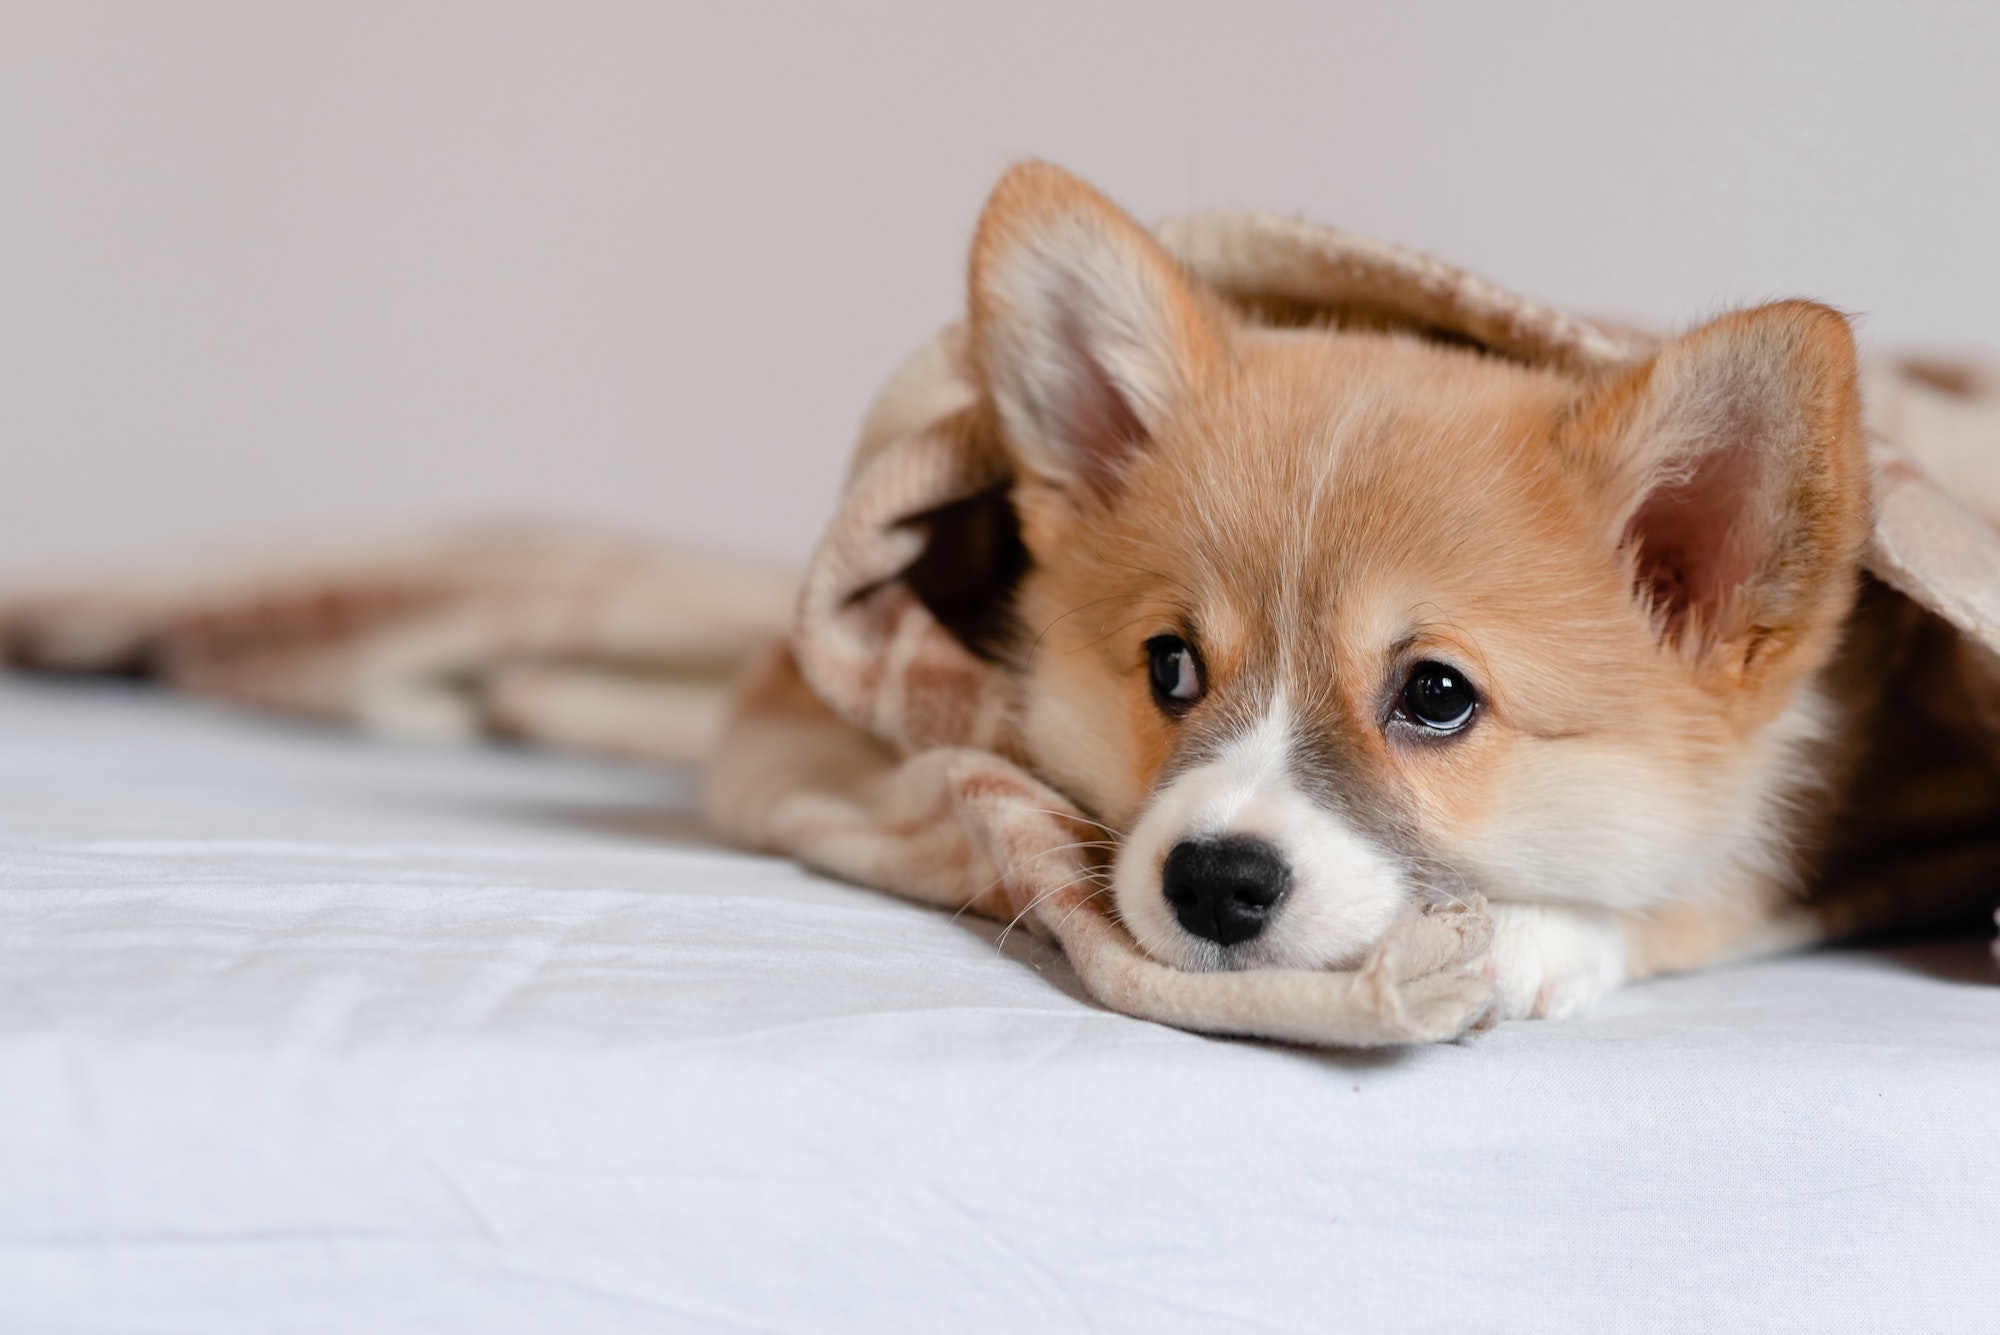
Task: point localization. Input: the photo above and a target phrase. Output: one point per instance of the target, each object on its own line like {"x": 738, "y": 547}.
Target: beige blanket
{"x": 861, "y": 735}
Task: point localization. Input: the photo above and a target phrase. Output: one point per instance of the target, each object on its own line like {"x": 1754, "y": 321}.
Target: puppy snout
{"x": 1224, "y": 890}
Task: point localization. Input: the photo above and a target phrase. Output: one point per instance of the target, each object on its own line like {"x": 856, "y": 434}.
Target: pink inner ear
{"x": 1101, "y": 428}
{"x": 1701, "y": 536}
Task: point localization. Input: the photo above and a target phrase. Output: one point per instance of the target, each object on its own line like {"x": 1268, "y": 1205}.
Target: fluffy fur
{"x": 1718, "y": 711}
{"x": 1645, "y": 575}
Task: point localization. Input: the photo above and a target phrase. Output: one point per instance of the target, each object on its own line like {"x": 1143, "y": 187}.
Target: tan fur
{"x": 1317, "y": 509}
{"x": 1319, "y": 456}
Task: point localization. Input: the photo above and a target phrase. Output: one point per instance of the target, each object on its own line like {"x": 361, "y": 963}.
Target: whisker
{"x": 1108, "y": 598}
{"x": 1032, "y": 904}
{"x": 1125, "y": 625}
{"x": 1060, "y": 848}
{"x": 1078, "y": 908}
{"x": 1418, "y": 862}
{"x": 1071, "y": 815}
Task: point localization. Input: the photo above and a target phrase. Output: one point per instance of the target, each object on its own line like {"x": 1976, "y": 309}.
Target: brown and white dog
{"x": 1340, "y": 631}
{"x": 1335, "y": 624}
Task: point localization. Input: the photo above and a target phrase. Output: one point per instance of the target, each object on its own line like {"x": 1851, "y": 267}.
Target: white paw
{"x": 1547, "y": 962}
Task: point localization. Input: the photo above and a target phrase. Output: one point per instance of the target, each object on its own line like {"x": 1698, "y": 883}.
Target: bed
{"x": 304, "y": 1032}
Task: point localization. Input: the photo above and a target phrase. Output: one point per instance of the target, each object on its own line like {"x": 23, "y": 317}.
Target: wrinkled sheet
{"x": 301, "y": 1032}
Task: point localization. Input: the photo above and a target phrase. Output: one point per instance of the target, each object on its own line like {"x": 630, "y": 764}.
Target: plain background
{"x": 271, "y": 271}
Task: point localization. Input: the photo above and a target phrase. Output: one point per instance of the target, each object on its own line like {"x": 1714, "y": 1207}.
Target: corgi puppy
{"x": 1333, "y": 624}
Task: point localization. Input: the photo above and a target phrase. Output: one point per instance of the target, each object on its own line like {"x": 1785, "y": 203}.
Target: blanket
{"x": 848, "y": 720}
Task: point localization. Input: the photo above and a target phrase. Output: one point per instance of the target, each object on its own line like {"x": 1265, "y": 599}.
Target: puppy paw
{"x": 1547, "y": 961}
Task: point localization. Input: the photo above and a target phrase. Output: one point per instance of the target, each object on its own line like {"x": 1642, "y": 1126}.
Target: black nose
{"x": 1225, "y": 889}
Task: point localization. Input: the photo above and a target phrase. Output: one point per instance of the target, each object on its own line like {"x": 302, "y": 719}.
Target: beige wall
{"x": 300, "y": 269}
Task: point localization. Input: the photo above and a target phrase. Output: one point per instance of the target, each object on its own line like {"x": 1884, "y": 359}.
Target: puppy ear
{"x": 1735, "y": 478}
{"x": 1087, "y": 333}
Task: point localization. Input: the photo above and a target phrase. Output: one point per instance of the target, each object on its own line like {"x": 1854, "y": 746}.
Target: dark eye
{"x": 1175, "y": 671}
{"x": 1438, "y": 697}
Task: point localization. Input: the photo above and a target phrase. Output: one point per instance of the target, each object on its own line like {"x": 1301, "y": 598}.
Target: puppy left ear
{"x": 1735, "y": 478}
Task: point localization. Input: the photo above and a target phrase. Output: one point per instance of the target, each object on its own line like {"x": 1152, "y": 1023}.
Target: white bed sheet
{"x": 300, "y": 1032}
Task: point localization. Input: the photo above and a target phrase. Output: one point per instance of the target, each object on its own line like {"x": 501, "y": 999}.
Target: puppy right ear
{"x": 1088, "y": 335}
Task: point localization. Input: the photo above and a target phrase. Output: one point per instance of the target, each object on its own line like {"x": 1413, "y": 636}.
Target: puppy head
{"x": 1336, "y": 624}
